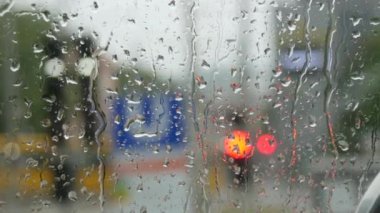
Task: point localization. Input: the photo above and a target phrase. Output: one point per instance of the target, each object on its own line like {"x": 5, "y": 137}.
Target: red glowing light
{"x": 238, "y": 145}
{"x": 267, "y": 144}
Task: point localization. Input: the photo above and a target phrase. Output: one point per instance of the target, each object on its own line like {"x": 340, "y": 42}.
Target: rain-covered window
{"x": 189, "y": 106}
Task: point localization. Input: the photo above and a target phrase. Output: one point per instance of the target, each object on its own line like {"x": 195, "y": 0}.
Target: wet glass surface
{"x": 188, "y": 106}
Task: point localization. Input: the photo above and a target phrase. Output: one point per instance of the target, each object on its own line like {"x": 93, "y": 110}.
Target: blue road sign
{"x": 154, "y": 120}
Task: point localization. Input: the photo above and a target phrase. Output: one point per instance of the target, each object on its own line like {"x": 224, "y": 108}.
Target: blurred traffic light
{"x": 238, "y": 145}
{"x": 267, "y": 144}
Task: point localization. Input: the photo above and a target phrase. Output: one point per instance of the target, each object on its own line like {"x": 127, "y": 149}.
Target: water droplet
{"x": 143, "y": 209}
{"x": 168, "y": 148}
{"x": 286, "y": 82}
{"x": 190, "y": 164}
{"x": 181, "y": 183}
{"x": 144, "y": 134}
{"x": 45, "y": 15}
{"x": 17, "y": 83}
{"x": 114, "y": 58}
{"x": 15, "y": 65}
{"x": 301, "y": 179}
{"x": 43, "y": 184}
{"x": 82, "y": 133}
{"x": 72, "y": 195}
{"x": 170, "y": 50}
{"x": 353, "y": 160}
{"x": 277, "y": 105}
{"x": 267, "y": 51}
{"x": 355, "y": 20}
{"x": 356, "y": 34}
{"x": 277, "y": 72}
{"x": 156, "y": 150}
{"x": 28, "y": 114}
{"x": 358, "y": 123}
{"x": 160, "y": 59}
{"x": 233, "y": 72}
{"x": 96, "y": 6}
{"x": 343, "y": 145}
{"x": 312, "y": 121}
{"x": 172, "y": 3}
{"x": 30, "y": 162}
{"x": 279, "y": 15}
{"x": 117, "y": 119}
{"x": 60, "y": 114}
{"x": 50, "y": 99}
{"x": 237, "y": 203}
{"x": 292, "y": 25}
{"x": 321, "y": 6}
{"x": 357, "y": 77}
{"x": 374, "y": 21}
{"x": 37, "y": 48}
{"x": 205, "y": 65}
{"x": 64, "y": 19}
{"x": 166, "y": 163}
{"x": 140, "y": 187}
{"x": 201, "y": 82}
{"x": 54, "y": 150}
{"x": 85, "y": 149}
{"x": 236, "y": 87}
{"x": 46, "y": 203}
{"x": 84, "y": 190}
{"x": 71, "y": 81}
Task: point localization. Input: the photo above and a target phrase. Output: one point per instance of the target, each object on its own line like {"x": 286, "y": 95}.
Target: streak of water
{"x": 216, "y": 71}
{"x": 192, "y": 62}
{"x": 330, "y": 88}
{"x": 299, "y": 83}
{"x": 370, "y": 161}
{"x": 327, "y": 63}
{"x": 4, "y": 9}
{"x": 100, "y": 117}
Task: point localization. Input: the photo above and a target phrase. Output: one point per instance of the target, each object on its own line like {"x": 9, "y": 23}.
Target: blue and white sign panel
{"x": 152, "y": 120}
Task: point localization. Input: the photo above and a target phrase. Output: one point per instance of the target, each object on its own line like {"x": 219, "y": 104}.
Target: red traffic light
{"x": 238, "y": 145}
{"x": 267, "y": 144}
